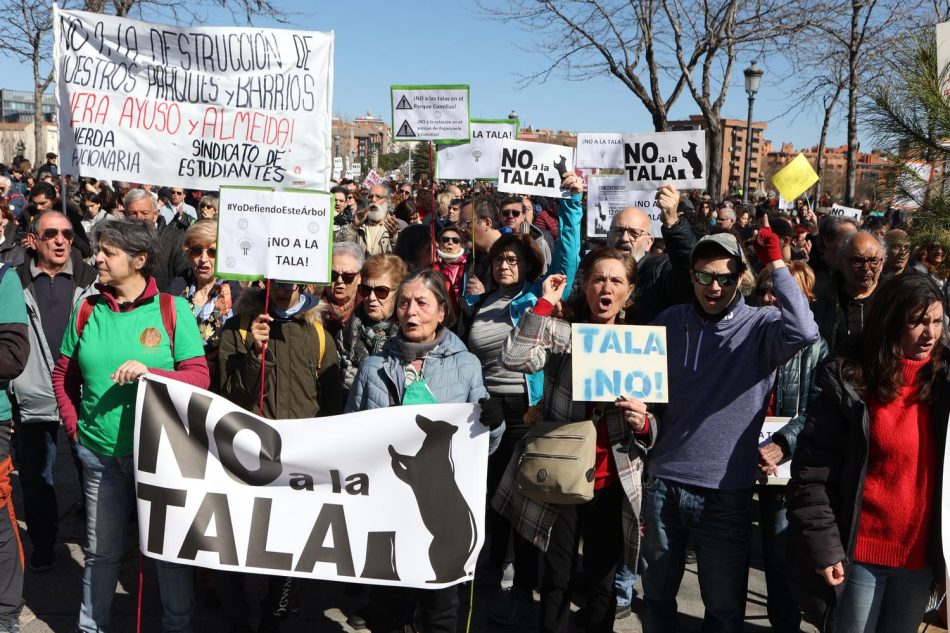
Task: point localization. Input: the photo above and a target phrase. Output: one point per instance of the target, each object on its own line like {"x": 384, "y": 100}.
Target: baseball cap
{"x": 51, "y": 155}
{"x": 716, "y": 245}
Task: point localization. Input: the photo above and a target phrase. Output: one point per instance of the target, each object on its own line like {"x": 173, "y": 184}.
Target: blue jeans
{"x": 784, "y": 614}
{"x": 110, "y": 497}
{"x": 624, "y": 581}
{"x": 886, "y": 599}
{"x": 721, "y": 524}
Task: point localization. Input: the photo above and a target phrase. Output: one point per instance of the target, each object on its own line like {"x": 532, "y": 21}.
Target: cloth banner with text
{"x": 390, "y": 496}
{"x": 194, "y": 107}
{"x": 480, "y": 158}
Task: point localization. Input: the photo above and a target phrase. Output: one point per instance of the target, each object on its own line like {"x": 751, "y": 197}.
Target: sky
{"x": 382, "y": 42}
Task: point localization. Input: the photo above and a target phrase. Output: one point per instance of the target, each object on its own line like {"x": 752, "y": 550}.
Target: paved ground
{"x": 52, "y": 598}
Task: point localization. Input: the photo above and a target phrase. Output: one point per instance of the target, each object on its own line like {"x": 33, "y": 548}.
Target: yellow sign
{"x": 795, "y": 178}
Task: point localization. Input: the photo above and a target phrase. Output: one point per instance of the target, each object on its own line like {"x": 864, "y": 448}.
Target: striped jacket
{"x": 545, "y": 343}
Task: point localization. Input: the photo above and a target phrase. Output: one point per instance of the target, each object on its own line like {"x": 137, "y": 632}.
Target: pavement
{"x": 52, "y": 598}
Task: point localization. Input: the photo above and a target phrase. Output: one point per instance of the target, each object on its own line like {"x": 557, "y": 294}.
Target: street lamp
{"x": 753, "y": 75}
{"x": 512, "y": 115}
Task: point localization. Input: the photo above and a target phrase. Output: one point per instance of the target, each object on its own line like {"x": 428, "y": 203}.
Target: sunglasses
{"x": 451, "y": 240}
{"x": 178, "y": 193}
{"x": 347, "y": 278}
{"x": 207, "y": 206}
{"x": 510, "y": 213}
{"x": 765, "y": 290}
{"x": 705, "y": 279}
{"x": 50, "y": 234}
{"x": 381, "y": 292}
{"x": 196, "y": 251}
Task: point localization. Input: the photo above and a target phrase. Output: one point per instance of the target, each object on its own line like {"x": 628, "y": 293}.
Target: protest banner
{"x": 943, "y": 57}
{"x": 480, "y": 158}
{"x": 845, "y": 212}
{"x": 430, "y": 113}
{"x": 282, "y": 235}
{"x": 372, "y": 178}
{"x": 677, "y": 158}
{"x": 769, "y": 427}
{"x": 608, "y": 361}
{"x": 795, "y": 178}
{"x": 195, "y": 107}
{"x": 912, "y": 185}
{"x": 534, "y": 169}
{"x": 400, "y": 491}
{"x": 600, "y": 150}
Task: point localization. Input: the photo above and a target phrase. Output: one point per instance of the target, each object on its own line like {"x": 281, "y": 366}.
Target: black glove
{"x": 492, "y": 414}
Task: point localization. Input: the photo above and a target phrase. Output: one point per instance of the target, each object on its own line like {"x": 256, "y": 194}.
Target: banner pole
{"x": 432, "y": 209}
{"x": 264, "y": 346}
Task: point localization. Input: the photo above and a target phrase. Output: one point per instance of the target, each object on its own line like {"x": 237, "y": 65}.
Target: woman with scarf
{"x": 340, "y": 295}
{"x": 451, "y": 261}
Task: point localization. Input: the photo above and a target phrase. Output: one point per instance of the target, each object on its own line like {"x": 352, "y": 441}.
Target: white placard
{"x": 279, "y": 235}
{"x": 608, "y": 361}
{"x": 845, "y": 212}
{"x": 193, "y": 107}
{"x": 391, "y": 496}
{"x": 430, "y": 113}
{"x": 372, "y": 179}
{"x": 479, "y": 159}
{"x": 607, "y": 196}
{"x": 943, "y": 55}
{"x": 534, "y": 168}
{"x": 659, "y": 158}
{"x": 600, "y": 150}
{"x": 784, "y": 473}
{"x": 337, "y": 168}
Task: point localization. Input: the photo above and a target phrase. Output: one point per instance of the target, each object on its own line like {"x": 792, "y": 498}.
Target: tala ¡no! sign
{"x": 677, "y": 158}
{"x": 609, "y": 361}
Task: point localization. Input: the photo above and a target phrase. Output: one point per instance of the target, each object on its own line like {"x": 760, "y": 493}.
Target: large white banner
{"x": 480, "y": 158}
{"x": 390, "y": 497}
{"x": 192, "y": 107}
{"x": 660, "y": 158}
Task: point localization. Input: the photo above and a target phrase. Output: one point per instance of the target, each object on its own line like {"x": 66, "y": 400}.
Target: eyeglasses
{"x": 205, "y": 205}
{"x": 381, "y": 292}
{"x": 900, "y": 248}
{"x": 633, "y": 233}
{"x": 765, "y": 290}
{"x": 451, "y": 240}
{"x": 347, "y": 278}
{"x": 50, "y": 234}
{"x": 858, "y": 263}
{"x": 196, "y": 251}
{"x": 511, "y": 260}
{"x": 407, "y": 192}
{"x": 510, "y": 213}
{"x": 705, "y": 279}
{"x": 351, "y": 197}
{"x": 377, "y": 196}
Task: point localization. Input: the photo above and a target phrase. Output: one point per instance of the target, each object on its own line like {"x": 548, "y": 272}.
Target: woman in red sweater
{"x": 864, "y": 500}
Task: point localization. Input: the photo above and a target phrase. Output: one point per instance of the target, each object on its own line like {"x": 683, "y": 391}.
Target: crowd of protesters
{"x": 448, "y": 293}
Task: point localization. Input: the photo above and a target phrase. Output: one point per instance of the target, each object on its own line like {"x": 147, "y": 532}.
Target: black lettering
{"x": 189, "y": 446}
{"x": 160, "y": 499}
{"x": 213, "y": 506}
{"x": 257, "y": 553}
{"x": 331, "y": 517}
{"x": 228, "y": 427}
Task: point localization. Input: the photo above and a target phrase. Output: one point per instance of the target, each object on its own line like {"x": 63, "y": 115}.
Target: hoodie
{"x": 722, "y": 372}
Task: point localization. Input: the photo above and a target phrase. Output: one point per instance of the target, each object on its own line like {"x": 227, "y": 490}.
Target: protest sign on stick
{"x": 430, "y": 113}
{"x": 480, "y": 158}
{"x": 845, "y": 212}
{"x": 608, "y": 361}
{"x": 795, "y": 178}
{"x": 655, "y": 159}
{"x": 534, "y": 169}
{"x": 198, "y": 107}
{"x": 282, "y": 235}
{"x": 392, "y": 496}
{"x": 600, "y": 150}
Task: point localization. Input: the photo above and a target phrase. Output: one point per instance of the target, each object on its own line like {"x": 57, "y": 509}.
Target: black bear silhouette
{"x": 693, "y": 159}
{"x": 561, "y": 166}
{"x": 445, "y": 513}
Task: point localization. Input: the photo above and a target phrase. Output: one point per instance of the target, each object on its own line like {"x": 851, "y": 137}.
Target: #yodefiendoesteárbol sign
{"x": 430, "y": 113}
{"x": 282, "y": 235}
{"x": 480, "y": 158}
{"x": 197, "y": 107}
{"x": 660, "y": 158}
{"x": 608, "y": 361}
{"x": 390, "y": 496}
{"x": 534, "y": 169}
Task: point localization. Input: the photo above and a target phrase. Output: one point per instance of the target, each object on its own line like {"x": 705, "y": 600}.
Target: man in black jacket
{"x": 141, "y": 205}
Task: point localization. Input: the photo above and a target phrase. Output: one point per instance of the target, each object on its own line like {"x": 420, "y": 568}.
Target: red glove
{"x": 767, "y": 246}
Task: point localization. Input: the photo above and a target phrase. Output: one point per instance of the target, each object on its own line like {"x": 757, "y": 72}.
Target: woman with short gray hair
{"x": 340, "y": 294}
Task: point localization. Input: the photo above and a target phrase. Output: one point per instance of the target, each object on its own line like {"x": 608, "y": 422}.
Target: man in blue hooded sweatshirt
{"x": 723, "y": 355}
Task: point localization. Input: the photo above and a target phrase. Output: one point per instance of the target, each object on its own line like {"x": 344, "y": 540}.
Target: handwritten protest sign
{"x": 195, "y": 107}
{"x": 284, "y": 235}
{"x": 600, "y": 150}
{"x": 372, "y": 178}
{"x": 337, "y": 168}
{"x": 430, "y": 113}
{"x": 771, "y": 425}
{"x": 393, "y": 496}
{"x": 795, "y": 178}
{"x": 845, "y": 212}
{"x": 608, "y": 361}
{"x": 652, "y": 160}
{"x": 534, "y": 168}
{"x": 480, "y": 158}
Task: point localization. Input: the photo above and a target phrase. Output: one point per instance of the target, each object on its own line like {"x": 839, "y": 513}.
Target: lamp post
{"x": 753, "y": 75}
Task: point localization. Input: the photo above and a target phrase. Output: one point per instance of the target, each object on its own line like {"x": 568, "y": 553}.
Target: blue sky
{"x": 379, "y": 43}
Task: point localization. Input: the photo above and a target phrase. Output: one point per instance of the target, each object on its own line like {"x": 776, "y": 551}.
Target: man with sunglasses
{"x": 177, "y": 212}
{"x": 514, "y": 215}
{"x": 54, "y": 278}
{"x": 723, "y": 356}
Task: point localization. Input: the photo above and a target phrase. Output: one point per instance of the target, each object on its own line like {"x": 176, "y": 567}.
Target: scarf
{"x": 449, "y": 258}
{"x": 410, "y": 351}
{"x": 372, "y": 335}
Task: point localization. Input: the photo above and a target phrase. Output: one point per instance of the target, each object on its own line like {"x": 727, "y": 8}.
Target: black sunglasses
{"x": 451, "y": 240}
{"x": 381, "y": 292}
{"x": 196, "y": 251}
{"x": 706, "y": 279}
{"x": 347, "y": 278}
{"x": 50, "y": 234}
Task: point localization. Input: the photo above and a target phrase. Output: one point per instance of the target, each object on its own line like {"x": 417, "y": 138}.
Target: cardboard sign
{"x": 480, "y": 158}
{"x": 784, "y": 474}
{"x": 430, "y": 113}
{"x": 845, "y": 212}
{"x": 656, "y": 159}
{"x": 607, "y": 196}
{"x": 795, "y": 178}
{"x": 392, "y": 496}
{"x": 534, "y": 168}
{"x": 194, "y": 107}
{"x": 372, "y": 179}
{"x": 600, "y": 150}
{"x": 281, "y": 235}
{"x": 608, "y": 361}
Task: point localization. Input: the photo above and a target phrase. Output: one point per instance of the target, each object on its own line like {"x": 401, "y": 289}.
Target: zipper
{"x": 546, "y": 456}
{"x": 853, "y": 537}
{"x": 579, "y": 438}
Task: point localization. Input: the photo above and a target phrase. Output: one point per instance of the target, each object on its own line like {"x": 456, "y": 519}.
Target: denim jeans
{"x": 784, "y": 614}
{"x": 885, "y": 599}
{"x": 110, "y": 497}
{"x": 624, "y": 581}
{"x": 721, "y": 524}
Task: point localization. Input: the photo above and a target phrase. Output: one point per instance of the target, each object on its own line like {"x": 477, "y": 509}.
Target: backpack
{"x": 245, "y": 324}
{"x": 166, "y": 304}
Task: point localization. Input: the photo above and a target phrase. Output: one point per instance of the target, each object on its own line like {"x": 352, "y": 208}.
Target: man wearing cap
{"x": 723, "y": 356}
{"x": 49, "y": 167}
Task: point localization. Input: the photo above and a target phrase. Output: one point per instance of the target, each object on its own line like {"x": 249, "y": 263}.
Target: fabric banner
{"x": 480, "y": 158}
{"x": 430, "y": 113}
{"x": 388, "y": 497}
{"x": 600, "y": 150}
{"x": 660, "y": 158}
{"x": 534, "y": 169}
{"x": 608, "y": 361}
{"x": 913, "y": 181}
{"x": 192, "y": 107}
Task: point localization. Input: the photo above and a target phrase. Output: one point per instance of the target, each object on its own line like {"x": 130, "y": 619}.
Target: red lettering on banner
{"x": 153, "y": 116}
{"x": 248, "y": 127}
{"x": 87, "y": 107}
